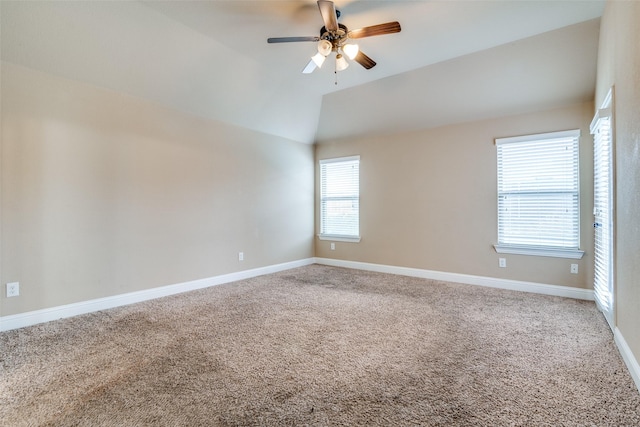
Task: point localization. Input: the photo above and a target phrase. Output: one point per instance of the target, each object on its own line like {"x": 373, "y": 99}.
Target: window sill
{"x": 539, "y": 251}
{"x": 336, "y": 238}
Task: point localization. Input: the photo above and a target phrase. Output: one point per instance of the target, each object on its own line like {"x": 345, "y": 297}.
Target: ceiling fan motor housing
{"x": 337, "y": 38}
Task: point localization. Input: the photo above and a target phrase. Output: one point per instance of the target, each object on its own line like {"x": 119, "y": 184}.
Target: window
{"x": 538, "y": 195}
{"x": 340, "y": 199}
{"x": 602, "y": 130}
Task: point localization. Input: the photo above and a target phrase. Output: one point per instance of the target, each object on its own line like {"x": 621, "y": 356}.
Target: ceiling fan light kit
{"x": 351, "y": 50}
{"x": 325, "y": 47}
{"x": 334, "y": 37}
{"x": 341, "y": 63}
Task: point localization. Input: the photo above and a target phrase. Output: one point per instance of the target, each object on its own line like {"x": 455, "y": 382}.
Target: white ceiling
{"x": 453, "y": 61}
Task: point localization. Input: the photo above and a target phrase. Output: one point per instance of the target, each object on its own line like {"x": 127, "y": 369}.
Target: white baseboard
{"x": 53, "y": 313}
{"x": 516, "y": 285}
{"x": 628, "y": 357}
{"x": 48, "y": 314}
{"x": 45, "y": 315}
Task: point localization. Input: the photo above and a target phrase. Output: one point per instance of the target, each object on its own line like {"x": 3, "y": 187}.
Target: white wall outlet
{"x": 502, "y": 262}
{"x": 13, "y": 289}
{"x": 333, "y": 246}
{"x": 574, "y": 268}
{"x": 240, "y": 256}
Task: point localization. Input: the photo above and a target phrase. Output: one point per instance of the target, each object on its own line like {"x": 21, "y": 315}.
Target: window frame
{"x": 337, "y": 237}
{"x": 532, "y": 249}
{"x": 603, "y": 130}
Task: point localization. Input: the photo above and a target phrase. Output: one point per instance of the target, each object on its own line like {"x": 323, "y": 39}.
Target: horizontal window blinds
{"x": 602, "y": 202}
{"x": 538, "y": 191}
{"x": 340, "y": 197}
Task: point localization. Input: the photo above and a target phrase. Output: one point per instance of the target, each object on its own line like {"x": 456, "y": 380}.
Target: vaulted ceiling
{"x": 453, "y": 61}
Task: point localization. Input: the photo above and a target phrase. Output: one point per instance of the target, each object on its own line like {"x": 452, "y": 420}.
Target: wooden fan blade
{"x": 329, "y": 16}
{"x": 364, "y": 60}
{"x": 309, "y": 68}
{"x": 376, "y": 30}
{"x": 292, "y": 39}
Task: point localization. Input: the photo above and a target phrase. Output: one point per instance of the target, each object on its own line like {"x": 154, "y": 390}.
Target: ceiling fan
{"x": 335, "y": 37}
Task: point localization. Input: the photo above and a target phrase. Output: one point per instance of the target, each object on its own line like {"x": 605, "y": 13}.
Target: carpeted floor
{"x": 322, "y": 346}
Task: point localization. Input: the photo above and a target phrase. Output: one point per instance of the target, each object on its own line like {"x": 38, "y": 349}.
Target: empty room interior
{"x": 320, "y": 213}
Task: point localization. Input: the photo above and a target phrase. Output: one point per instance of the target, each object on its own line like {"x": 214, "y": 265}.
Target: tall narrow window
{"x": 340, "y": 199}
{"x": 601, "y": 128}
{"x": 538, "y": 195}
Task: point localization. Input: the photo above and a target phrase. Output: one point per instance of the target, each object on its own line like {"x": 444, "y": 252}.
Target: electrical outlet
{"x": 240, "y": 256}
{"x": 574, "y": 268}
{"x": 502, "y": 262}
{"x": 13, "y": 289}
{"x": 333, "y": 246}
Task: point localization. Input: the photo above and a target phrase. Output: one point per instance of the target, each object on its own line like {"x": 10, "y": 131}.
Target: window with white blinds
{"x": 538, "y": 195}
{"x": 340, "y": 199}
{"x": 602, "y": 211}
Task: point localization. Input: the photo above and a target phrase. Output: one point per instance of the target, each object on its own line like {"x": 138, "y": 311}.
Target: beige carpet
{"x": 322, "y": 346}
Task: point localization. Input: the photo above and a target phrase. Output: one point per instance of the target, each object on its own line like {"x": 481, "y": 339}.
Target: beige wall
{"x": 428, "y": 199}
{"x": 619, "y": 65}
{"x": 104, "y": 194}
